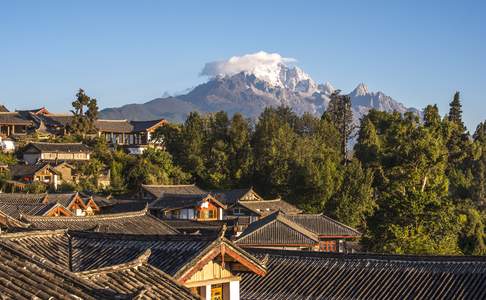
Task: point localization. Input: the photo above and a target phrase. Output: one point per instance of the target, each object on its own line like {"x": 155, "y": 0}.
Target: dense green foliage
{"x": 85, "y": 113}
{"x": 410, "y": 185}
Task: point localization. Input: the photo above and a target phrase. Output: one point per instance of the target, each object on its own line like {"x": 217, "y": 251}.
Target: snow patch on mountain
{"x": 249, "y": 83}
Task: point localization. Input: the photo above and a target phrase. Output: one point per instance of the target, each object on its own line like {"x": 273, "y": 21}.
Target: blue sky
{"x": 418, "y": 52}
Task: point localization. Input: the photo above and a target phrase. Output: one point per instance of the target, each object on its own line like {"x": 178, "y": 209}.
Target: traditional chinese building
{"x": 39, "y": 172}
{"x": 209, "y": 266}
{"x": 298, "y": 232}
{"x": 137, "y": 222}
{"x": 27, "y": 274}
{"x": 14, "y": 124}
{"x": 54, "y": 152}
{"x": 153, "y": 192}
{"x": 134, "y": 136}
{"x": 247, "y": 203}
{"x": 200, "y": 207}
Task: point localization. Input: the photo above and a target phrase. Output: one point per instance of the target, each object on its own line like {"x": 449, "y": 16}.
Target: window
{"x": 327, "y": 246}
{"x": 207, "y": 214}
{"x": 237, "y": 211}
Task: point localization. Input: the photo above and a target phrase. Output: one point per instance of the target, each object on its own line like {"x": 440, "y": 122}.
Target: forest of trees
{"x": 410, "y": 184}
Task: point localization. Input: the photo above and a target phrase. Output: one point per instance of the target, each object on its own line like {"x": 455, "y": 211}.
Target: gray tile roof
{"x": 139, "y": 126}
{"x": 281, "y": 229}
{"x": 265, "y": 207}
{"x": 83, "y": 251}
{"x": 317, "y": 275}
{"x": 59, "y": 147}
{"x": 52, "y": 277}
{"x": 19, "y": 209}
{"x": 139, "y": 222}
{"x": 26, "y": 275}
{"x": 323, "y": 225}
{"x": 186, "y": 189}
{"x": 276, "y": 230}
{"x": 14, "y": 118}
{"x": 118, "y": 126}
{"x": 21, "y": 198}
{"x": 22, "y": 170}
{"x": 139, "y": 277}
{"x": 177, "y": 201}
{"x": 56, "y": 120}
{"x": 230, "y": 197}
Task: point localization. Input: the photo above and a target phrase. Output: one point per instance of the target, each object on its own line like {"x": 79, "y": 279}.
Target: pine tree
{"x": 459, "y": 168}
{"x": 340, "y": 113}
{"x": 193, "y": 140}
{"x": 455, "y": 112}
{"x": 354, "y": 202}
{"x": 479, "y": 170}
{"x": 414, "y": 214}
{"x": 240, "y": 153}
{"x": 273, "y": 144}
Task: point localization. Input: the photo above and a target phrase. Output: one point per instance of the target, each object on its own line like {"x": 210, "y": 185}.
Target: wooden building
{"x": 134, "y": 136}
{"x": 317, "y": 275}
{"x": 54, "y": 152}
{"x": 298, "y": 232}
{"x": 12, "y": 211}
{"x": 25, "y": 273}
{"x": 152, "y": 192}
{"x": 138, "y": 222}
{"x": 13, "y": 124}
{"x": 200, "y": 207}
{"x": 247, "y": 203}
{"x": 207, "y": 265}
{"x": 39, "y": 172}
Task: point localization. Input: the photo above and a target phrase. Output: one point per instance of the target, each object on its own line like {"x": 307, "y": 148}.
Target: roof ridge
{"x": 41, "y": 261}
{"x": 66, "y": 114}
{"x": 373, "y": 256}
{"x": 168, "y": 185}
{"x": 64, "y": 143}
{"x": 339, "y": 223}
{"x": 34, "y": 233}
{"x": 113, "y": 120}
{"x": 95, "y": 217}
{"x": 280, "y": 216}
{"x": 136, "y": 262}
{"x": 132, "y": 236}
{"x": 293, "y": 225}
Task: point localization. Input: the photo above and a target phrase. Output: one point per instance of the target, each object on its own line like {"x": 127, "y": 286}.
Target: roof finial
{"x": 223, "y": 231}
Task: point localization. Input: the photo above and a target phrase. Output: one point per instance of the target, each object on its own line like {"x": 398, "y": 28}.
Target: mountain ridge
{"x": 249, "y": 92}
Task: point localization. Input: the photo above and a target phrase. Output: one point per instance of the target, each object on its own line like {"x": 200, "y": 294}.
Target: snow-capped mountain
{"x": 268, "y": 82}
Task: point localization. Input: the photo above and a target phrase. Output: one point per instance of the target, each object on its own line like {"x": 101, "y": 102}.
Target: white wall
{"x": 208, "y": 292}
{"x": 234, "y": 290}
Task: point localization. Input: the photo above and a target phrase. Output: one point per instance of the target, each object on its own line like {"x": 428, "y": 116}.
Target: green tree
{"x": 354, "y": 202}
{"x": 414, "y": 214}
{"x": 273, "y": 144}
{"x": 460, "y": 160}
{"x": 154, "y": 166}
{"x": 85, "y": 113}
{"x": 240, "y": 152}
{"x": 455, "y": 112}
{"x": 193, "y": 140}
{"x": 472, "y": 240}
{"x": 479, "y": 169}
{"x": 340, "y": 113}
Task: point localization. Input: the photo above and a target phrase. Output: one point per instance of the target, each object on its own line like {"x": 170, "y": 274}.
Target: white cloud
{"x": 252, "y": 63}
